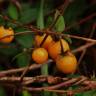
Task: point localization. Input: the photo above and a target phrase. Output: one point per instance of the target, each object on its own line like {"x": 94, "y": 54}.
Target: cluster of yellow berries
{"x": 65, "y": 63}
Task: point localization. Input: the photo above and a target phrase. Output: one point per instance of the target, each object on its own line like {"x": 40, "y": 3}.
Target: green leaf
{"x": 10, "y": 24}
{"x": 25, "y": 40}
{"x": 26, "y": 93}
{"x": 73, "y": 75}
{"x": 8, "y": 49}
{"x": 46, "y": 93}
{"x": 88, "y": 93}
{"x": 60, "y": 24}
{"x": 54, "y": 94}
{"x": 23, "y": 60}
{"x": 12, "y": 11}
{"x": 68, "y": 39}
{"x": 2, "y": 91}
{"x": 49, "y": 21}
{"x": 16, "y": 56}
{"x": 30, "y": 12}
{"x": 2, "y": 22}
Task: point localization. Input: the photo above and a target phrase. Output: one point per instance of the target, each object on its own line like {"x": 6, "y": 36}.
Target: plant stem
{"x": 40, "y": 24}
{"x": 40, "y": 19}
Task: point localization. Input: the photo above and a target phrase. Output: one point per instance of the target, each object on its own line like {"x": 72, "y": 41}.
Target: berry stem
{"x": 62, "y": 49}
{"x": 44, "y": 40}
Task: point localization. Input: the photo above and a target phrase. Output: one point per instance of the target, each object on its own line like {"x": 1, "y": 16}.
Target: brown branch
{"x": 24, "y": 72}
{"x": 17, "y": 79}
{"x": 11, "y": 71}
{"x": 84, "y": 50}
{"x": 79, "y": 90}
{"x": 65, "y": 82}
{"x": 42, "y": 78}
{"x": 90, "y": 36}
{"x": 35, "y": 30}
{"x": 81, "y": 48}
{"x": 62, "y": 10}
{"x": 32, "y": 67}
{"x": 52, "y": 33}
{"x": 80, "y": 22}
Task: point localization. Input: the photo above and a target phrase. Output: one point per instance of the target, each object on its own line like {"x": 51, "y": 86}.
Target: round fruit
{"x": 40, "y": 55}
{"x": 66, "y": 64}
{"x": 51, "y": 43}
{"x": 39, "y": 39}
{"x": 6, "y": 32}
{"x": 55, "y": 49}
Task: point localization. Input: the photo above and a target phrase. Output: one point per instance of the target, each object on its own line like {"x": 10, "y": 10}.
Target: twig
{"x": 51, "y": 32}
{"x": 63, "y": 84}
{"x": 32, "y": 67}
{"x": 66, "y": 82}
{"x": 82, "y": 55}
{"x": 24, "y": 72}
{"x": 63, "y": 8}
{"x": 79, "y": 49}
{"x": 81, "y": 89}
{"x": 84, "y": 51}
{"x": 80, "y": 22}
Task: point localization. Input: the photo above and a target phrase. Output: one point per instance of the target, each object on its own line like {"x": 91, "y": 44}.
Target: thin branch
{"x": 81, "y": 48}
{"x": 32, "y": 67}
{"x": 81, "y": 89}
{"x": 51, "y": 32}
{"x": 84, "y": 51}
{"x": 24, "y": 72}
{"x": 80, "y": 22}
{"x": 65, "y": 82}
{"x": 63, "y": 8}
{"x": 42, "y": 78}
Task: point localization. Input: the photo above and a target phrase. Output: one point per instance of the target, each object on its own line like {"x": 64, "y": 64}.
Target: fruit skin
{"x": 5, "y": 32}
{"x": 55, "y": 49}
{"x": 40, "y": 55}
{"x": 66, "y": 64}
{"x": 39, "y": 39}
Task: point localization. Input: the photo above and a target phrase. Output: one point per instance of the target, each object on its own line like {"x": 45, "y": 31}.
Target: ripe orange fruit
{"x": 55, "y": 49}
{"x": 6, "y": 32}
{"x": 40, "y": 55}
{"x": 66, "y": 64}
{"x": 51, "y": 43}
{"x": 39, "y": 39}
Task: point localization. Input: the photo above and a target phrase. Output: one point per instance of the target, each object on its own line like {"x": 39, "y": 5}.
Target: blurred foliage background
{"x": 25, "y": 12}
